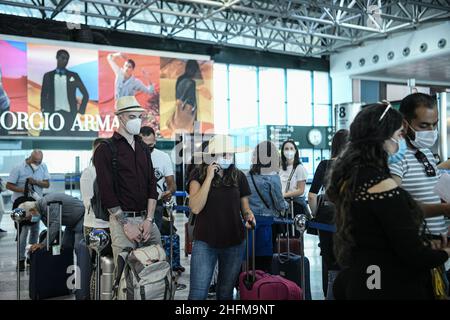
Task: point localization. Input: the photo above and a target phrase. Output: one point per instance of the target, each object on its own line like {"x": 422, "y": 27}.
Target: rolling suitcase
{"x": 292, "y": 266}
{"x": 294, "y": 245}
{"x": 258, "y": 285}
{"x": 49, "y": 273}
{"x": 85, "y": 263}
{"x": 107, "y": 277}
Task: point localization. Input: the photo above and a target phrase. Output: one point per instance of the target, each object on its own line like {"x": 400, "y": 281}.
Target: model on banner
{"x": 126, "y": 83}
{"x": 4, "y": 100}
{"x": 186, "y": 98}
{"x": 59, "y": 89}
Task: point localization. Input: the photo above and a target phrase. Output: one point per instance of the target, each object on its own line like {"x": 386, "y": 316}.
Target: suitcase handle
{"x": 48, "y": 222}
{"x": 247, "y": 270}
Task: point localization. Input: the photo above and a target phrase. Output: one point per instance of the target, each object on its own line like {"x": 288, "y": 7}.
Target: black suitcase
{"x": 288, "y": 265}
{"x": 49, "y": 273}
{"x": 85, "y": 263}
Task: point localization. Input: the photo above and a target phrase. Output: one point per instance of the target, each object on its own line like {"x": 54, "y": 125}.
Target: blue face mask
{"x": 400, "y": 154}
{"x": 35, "y": 218}
{"x": 224, "y": 163}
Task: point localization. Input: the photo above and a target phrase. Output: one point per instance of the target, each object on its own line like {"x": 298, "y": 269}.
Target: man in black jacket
{"x": 59, "y": 89}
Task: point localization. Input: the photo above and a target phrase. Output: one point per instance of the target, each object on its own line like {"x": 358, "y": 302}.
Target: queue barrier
{"x": 309, "y": 224}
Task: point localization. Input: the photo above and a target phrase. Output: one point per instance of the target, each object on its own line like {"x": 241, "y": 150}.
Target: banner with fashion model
{"x": 50, "y": 90}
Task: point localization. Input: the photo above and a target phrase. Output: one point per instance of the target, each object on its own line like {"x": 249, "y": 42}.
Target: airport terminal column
{"x": 442, "y": 107}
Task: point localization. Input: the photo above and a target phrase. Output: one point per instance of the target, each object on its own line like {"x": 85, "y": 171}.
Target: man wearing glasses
{"x": 418, "y": 171}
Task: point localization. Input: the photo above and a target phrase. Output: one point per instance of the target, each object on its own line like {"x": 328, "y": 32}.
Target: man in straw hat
{"x": 131, "y": 197}
{"x": 218, "y": 196}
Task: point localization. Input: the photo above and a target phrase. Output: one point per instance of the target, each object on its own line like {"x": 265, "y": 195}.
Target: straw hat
{"x": 127, "y": 104}
{"x": 220, "y": 144}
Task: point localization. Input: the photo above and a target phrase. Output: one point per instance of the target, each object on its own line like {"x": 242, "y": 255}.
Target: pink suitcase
{"x": 258, "y": 285}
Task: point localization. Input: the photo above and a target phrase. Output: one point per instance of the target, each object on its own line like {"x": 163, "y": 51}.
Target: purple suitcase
{"x": 258, "y": 285}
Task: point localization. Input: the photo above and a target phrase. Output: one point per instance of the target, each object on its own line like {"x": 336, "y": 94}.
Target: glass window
{"x": 243, "y": 97}
{"x": 322, "y": 115}
{"x": 299, "y": 98}
{"x": 220, "y": 98}
{"x": 272, "y": 108}
{"x": 321, "y": 88}
{"x": 65, "y": 161}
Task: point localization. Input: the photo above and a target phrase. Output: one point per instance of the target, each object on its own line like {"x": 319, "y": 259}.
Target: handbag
{"x": 440, "y": 287}
{"x": 325, "y": 210}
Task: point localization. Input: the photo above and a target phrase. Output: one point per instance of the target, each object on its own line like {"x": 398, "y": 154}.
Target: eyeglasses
{"x": 422, "y": 158}
{"x": 386, "y": 110}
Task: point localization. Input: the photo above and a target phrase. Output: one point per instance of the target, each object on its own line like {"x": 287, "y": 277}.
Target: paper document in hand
{"x": 442, "y": 187}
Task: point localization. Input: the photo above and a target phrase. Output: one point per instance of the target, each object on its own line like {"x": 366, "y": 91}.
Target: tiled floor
{"x": 8, "y": 274}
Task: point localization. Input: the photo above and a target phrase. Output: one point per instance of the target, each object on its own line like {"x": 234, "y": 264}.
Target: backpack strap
{"x": 148, "y": 154}
{"x": 114, "y": 163}
{"x": 259, "y": 193}
{"x": 288, "y": 184}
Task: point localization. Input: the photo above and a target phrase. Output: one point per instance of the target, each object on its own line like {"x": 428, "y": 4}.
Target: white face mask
{"x": 34, "y": 166}
{"x": 289, "y": 154}
{"x": 133, "y": 126}
{"x": 424, "y": 139}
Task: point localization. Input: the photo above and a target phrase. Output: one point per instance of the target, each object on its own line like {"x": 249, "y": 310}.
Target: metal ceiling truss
{"x": 305, "y": 28}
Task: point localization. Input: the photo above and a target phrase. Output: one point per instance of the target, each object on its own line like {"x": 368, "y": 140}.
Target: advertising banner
{"x": 50, "y": 90}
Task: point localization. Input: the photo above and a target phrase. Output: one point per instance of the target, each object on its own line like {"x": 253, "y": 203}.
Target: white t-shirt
{"x": 87, "y": 192}
{"x": 163, "y": 168}
{"x": 300, "y": 174}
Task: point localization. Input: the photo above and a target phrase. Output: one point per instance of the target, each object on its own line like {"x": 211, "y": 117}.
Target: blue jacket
{"x": 270, "y": 188}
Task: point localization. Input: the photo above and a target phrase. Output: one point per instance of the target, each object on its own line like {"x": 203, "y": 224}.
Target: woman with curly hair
{"x": 378, "y": 223}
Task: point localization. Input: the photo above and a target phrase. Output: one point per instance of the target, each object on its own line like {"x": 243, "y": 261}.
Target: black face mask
{"x": 151, "y": 148}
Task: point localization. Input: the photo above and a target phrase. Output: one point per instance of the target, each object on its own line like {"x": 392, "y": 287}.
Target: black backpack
{"x": 96, "y": 204}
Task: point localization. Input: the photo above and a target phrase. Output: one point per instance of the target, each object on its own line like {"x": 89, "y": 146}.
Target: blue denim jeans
{"x": 203, "y": 262}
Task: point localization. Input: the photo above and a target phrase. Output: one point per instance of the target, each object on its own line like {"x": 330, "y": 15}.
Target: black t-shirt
{"x": 385, "y": 235}
{"x": 220, "y": 223}
{"x": 319, "y": 176}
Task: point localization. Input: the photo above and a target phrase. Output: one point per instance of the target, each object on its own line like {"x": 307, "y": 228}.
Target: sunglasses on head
{"x": 388, "y": 106}
{"x": 422, "y": 158}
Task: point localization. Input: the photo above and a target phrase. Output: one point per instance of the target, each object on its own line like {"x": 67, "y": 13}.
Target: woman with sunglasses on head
{"x": 378, "y": 242}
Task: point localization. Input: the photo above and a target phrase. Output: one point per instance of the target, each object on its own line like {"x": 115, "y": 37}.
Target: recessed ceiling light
{"x": 406, "y": 51}
{"x": 375, "y": 58}
{"x": 423, "y": 47}
{"x": 390, "y": 55}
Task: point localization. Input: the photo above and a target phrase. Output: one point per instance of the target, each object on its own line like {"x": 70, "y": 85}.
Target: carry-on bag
{"x": 49, "y": 272}
{"x": 258, "y": 285}
{"x": 290, "y": 266}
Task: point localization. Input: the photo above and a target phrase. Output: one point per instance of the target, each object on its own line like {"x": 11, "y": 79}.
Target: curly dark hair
{"x": 365, "y": 149}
